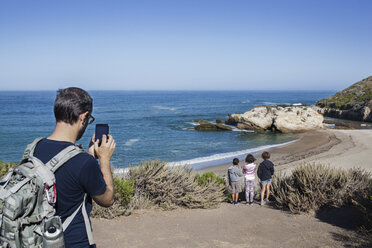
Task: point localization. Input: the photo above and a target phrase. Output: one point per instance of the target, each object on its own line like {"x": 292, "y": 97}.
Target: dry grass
{"x": 152, "y": 184}
{"x": 313, "y": 186}
{"x": 172, "y": 187}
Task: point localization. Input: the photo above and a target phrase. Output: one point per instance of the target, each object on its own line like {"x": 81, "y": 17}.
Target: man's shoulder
{"x": 86, "y": 160}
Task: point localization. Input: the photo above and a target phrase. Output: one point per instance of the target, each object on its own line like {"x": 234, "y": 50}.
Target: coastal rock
{"x": 352, "y": 103}
{"x": 220, "y": 122}
{"x": 207, "y": 126}
{"x": 280, "y": 118}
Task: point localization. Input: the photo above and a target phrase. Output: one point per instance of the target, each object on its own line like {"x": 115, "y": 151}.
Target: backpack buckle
{"x": 51, "y": 200}
{"x": 53, "y": 162}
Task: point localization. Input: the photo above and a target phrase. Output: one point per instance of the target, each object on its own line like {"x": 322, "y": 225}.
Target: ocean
{"x": 147, "y": 125}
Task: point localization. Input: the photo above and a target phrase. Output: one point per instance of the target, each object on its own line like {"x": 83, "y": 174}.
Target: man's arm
{"x": 104, "y": 154}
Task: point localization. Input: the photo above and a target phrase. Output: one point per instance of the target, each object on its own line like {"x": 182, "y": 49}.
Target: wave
{"x": 160, "y": 107}
{"x": 131, "y": 142}
{"x": 269, "y": 103}
{"x": 297, "y": 104}
{"x": 192, "y": 123}
{"x": 221, "y": 158}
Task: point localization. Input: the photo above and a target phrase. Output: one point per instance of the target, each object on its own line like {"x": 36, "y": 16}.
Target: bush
{"x": 123, "y": 193}
{"x": 208, "y": 177}
{"x": 313, "y": 186}
{"x": 172, "y": 187}
{"x": 4, "y": 167}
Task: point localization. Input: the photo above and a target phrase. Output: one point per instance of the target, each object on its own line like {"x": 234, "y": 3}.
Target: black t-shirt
{"x": 80, "y": 175}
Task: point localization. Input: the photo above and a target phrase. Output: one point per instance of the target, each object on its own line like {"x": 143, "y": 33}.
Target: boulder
{"x": 281, "y": 118}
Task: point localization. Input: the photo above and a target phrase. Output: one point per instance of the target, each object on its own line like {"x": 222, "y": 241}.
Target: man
{"x": 81, "y": 174}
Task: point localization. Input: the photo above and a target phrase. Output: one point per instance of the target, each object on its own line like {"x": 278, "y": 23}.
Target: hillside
{"x": 353, "y": 103}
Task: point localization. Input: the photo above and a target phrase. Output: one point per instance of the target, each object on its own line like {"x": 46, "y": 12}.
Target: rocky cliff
{"x": 352, "y": 103}
{"x": 279, "y": 118}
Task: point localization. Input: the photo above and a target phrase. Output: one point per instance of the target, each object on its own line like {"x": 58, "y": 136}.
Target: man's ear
{"x": 83, "y": 116}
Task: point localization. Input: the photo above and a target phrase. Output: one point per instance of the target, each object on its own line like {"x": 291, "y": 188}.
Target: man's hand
{"x": 104, "y": 153}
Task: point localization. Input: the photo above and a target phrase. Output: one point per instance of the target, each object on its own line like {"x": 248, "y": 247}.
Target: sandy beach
{"x": 252, "y": 226}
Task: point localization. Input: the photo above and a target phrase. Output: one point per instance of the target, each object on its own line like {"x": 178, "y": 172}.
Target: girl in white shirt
{"x": 249, "y": 170}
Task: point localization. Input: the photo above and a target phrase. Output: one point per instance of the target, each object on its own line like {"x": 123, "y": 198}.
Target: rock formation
{"x": 279, "y": 118}
{"x": 352, "y": 103}
{"x": 207, "y": 126}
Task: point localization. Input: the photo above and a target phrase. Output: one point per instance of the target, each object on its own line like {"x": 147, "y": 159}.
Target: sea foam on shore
{"x": 223, "y": 158}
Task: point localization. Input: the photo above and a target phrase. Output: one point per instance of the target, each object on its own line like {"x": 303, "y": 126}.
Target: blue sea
{"x": 151, "y": 124}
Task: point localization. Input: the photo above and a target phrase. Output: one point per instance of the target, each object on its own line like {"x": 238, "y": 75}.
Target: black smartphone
{"x": 101, "y": 129}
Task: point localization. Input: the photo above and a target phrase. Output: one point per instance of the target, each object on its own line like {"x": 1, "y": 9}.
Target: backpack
{"x": 27, "y": 202}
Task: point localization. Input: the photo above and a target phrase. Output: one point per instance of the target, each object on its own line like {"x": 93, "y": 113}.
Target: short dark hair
{"x": 235, "y": 161}
{"x": 250, "y": 159}
{"x": 265, "y": 155}
{"x": 70, "y": 103}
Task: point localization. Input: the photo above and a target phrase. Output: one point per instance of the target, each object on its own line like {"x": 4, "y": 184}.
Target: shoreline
{"x": 339, "y": 148}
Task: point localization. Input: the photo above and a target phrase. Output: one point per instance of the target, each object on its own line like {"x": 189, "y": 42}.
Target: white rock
{"x": 285, "y": 119}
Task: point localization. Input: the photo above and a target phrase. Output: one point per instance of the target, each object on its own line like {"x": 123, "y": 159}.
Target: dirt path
{"x": 227, "y": 226}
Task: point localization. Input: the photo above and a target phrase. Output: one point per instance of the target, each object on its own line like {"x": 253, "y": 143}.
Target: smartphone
{"x": 101, "y": 129}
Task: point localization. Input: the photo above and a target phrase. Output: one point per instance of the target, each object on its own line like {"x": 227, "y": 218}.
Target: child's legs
{"x": 246, "y": 190}
{"x": 268, "y": 191}
{"x": 250, "y": 186}
{"x": 263, "y": 191}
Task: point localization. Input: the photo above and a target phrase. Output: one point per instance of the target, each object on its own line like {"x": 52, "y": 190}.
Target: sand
{"x": 252, "y": 226}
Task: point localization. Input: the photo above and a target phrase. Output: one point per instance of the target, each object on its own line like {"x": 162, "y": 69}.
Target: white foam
{"x": 121, "y": 171}
{"x": 235, "y": 129}
{"x": 164, "y": 108}
{"x": 222, "y": 157}
{"x": 297, "y": 104}
{"x": 131, "y": 142}
{"x": 270, "y": 103}
{"x": 193, "y": 123}
{"x": 246, "y": 101}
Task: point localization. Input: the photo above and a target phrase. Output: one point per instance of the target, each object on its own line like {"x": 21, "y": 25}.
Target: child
{"x": 249, "y": 170}
{"x": 265, "y": 172}
{"x": 234, "y": 173}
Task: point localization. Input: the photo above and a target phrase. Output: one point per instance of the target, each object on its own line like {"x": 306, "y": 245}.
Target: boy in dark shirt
{"x": 265, "y": 172}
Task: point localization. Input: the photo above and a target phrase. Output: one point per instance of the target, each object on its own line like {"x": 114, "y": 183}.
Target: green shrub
{"x": 123, "y": 193}
{"x": 171, "y": 187}
{"x": 208, "y": 177}
{"x": 313, "y": 186}
{"x": 4, "y": 167}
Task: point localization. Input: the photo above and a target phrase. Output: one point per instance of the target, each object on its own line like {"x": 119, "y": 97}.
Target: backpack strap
{"x": 29, "y": 151}
{"x": 54, "y": 164}
{"x": 62, "y": 157}
{"x": 88, "y": 227}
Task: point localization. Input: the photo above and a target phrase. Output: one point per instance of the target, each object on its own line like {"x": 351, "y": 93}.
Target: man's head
{"x": 71, "y": 105}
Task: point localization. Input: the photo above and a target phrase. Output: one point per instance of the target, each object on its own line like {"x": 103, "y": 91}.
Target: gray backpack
{"x": 27, "y": 199}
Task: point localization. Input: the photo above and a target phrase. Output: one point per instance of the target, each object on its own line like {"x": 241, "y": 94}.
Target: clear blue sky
{"x": 185, "y": 45}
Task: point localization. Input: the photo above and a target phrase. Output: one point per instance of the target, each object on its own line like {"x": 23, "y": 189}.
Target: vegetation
{"x": 172, "y": 187}
{"x": 4, "y": 167}
{"x": 208, "y": 177}
{"x": 152, "y": 183}
{"x": 357, "y": 95}
{"x": 313, "y": 186}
